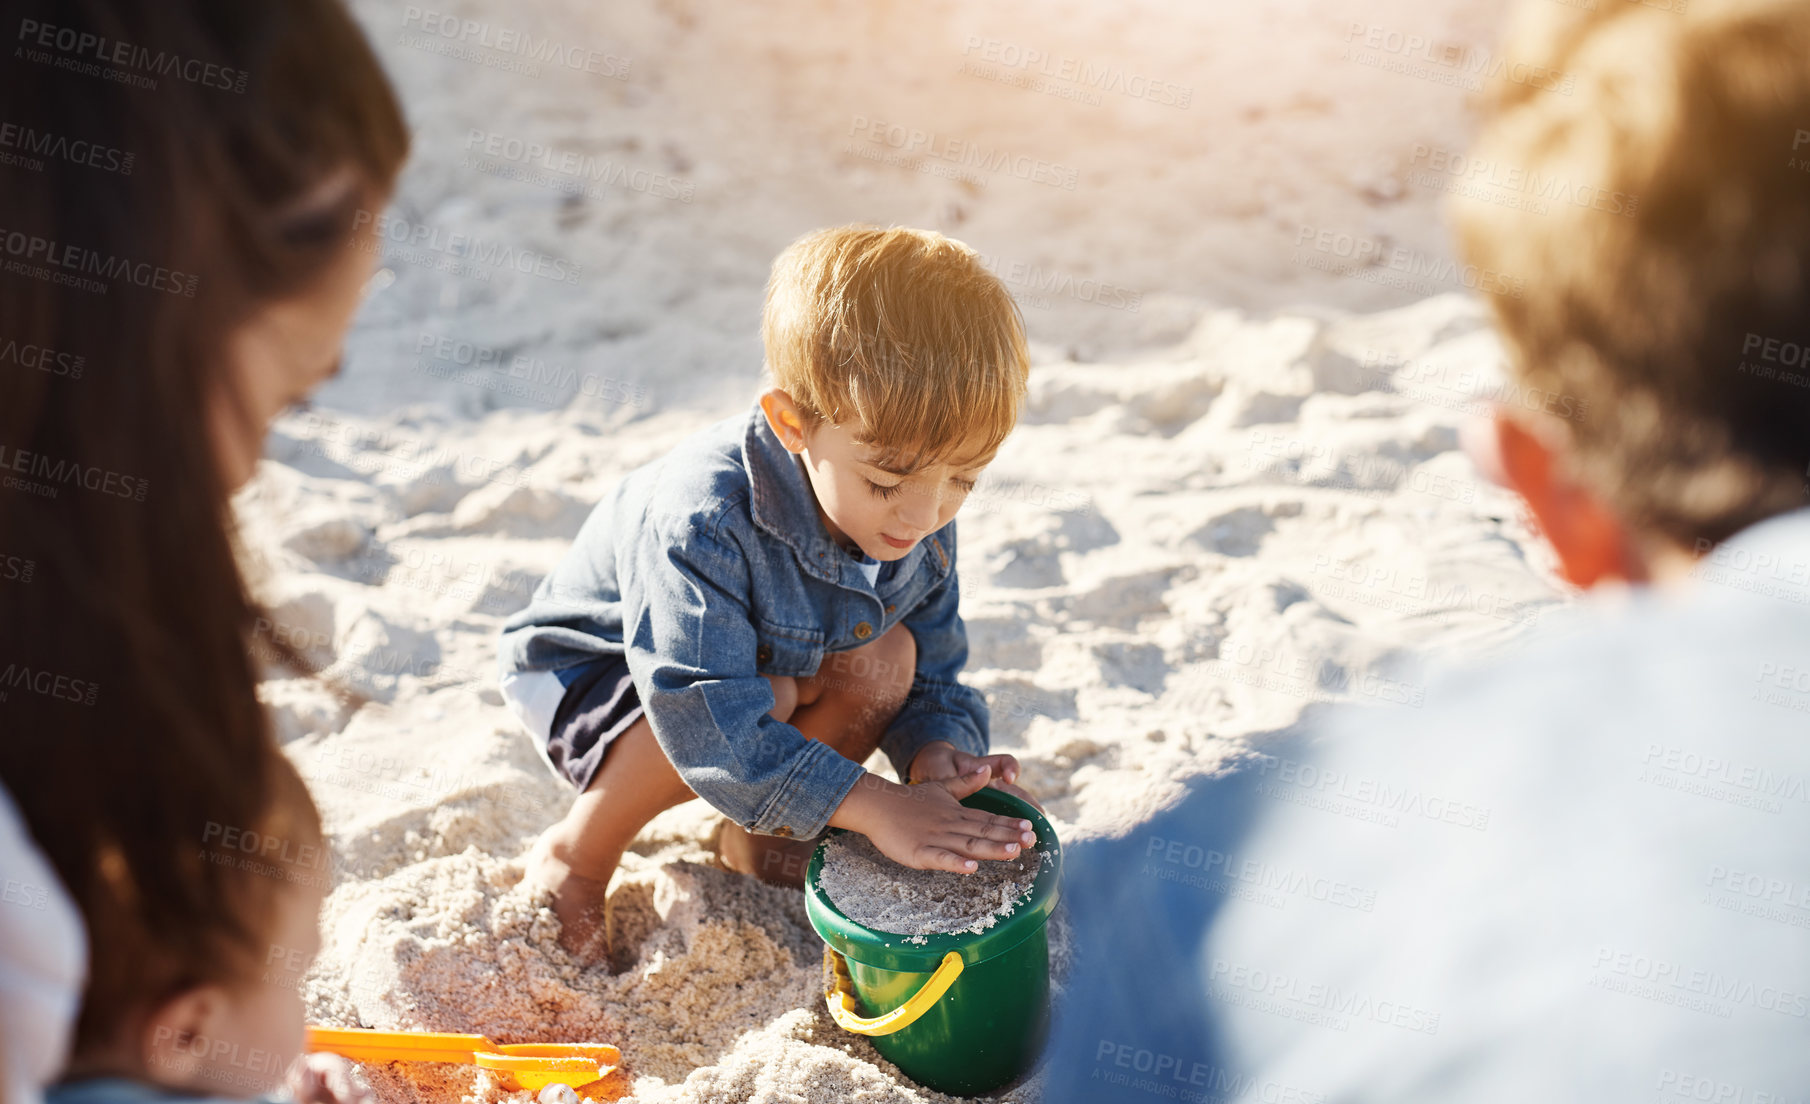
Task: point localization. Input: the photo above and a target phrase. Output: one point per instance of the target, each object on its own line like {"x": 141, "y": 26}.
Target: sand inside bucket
{"x": 878, "y": 893}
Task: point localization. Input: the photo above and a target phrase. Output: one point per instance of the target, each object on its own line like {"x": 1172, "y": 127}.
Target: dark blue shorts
{"x": 600, "y": 704}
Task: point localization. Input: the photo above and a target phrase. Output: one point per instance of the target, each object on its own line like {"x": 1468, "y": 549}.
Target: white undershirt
{"x": 871, "y": 569}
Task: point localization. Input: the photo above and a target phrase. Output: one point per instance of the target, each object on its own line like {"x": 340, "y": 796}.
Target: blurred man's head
{"x": 1657, "y": 212}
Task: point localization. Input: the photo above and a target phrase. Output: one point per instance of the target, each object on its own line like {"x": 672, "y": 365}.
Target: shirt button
{"x": 783, "y": 832}
{"x": 763, "y": 654}
{"x": 863, "y": 631}
{"x": 890, "y": 607}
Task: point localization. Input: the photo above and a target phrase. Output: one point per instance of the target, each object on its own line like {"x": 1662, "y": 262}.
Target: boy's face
{"x": 884, "y": 513}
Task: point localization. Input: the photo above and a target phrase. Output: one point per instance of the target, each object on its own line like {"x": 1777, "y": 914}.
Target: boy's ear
{"x": 178, "y": 1035}
{"x": 1592, "y": 544}
{"x": 786, "y": 419}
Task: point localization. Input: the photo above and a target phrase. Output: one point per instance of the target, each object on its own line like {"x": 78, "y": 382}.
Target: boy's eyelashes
{"x": 888, "y": 490}
{"x": 883, "y": 490}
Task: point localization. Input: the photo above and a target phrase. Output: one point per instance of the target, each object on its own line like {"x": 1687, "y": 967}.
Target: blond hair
{"x": 1672, "y": 252}
{"x": 901, "y": 333}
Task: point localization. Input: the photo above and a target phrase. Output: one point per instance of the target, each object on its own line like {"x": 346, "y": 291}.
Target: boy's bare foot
{"x": 773, "y": 860}
{"x": 579, "y": 899}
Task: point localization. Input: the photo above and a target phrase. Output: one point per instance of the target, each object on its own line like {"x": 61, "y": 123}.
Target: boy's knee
{"x": 894, "y": 659}
{"x": 879, "y": 671}
{"x": 898, "y": 649}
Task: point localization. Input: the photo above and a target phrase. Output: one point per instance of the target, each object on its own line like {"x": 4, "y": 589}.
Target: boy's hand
{"x": 940, "y": 760}
{"x": 927, "y": 827}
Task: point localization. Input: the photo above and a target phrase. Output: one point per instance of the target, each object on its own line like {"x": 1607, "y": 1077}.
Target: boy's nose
{"x": 920, "y": 513}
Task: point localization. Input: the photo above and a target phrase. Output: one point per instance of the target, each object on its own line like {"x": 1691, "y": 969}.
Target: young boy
{"x": 214, "y": 1011}
{"x": 1583, "y": 872}
{"x": 747, "y": 619}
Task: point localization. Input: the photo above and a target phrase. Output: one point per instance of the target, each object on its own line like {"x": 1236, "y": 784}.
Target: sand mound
{"x": 717, "y": 1000}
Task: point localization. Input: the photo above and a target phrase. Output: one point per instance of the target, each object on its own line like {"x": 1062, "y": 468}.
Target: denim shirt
{"x": 709, "y": 568}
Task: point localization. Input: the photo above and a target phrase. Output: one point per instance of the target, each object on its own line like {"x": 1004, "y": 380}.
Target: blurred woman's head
{"x": 178, "y": 262}
{"x": 289, "y": 345}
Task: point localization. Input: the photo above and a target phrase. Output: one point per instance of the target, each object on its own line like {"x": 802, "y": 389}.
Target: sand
{"x": 876, "y": 892}
{"x": 1235, "y": 500}
{"x": 719, "y": 989}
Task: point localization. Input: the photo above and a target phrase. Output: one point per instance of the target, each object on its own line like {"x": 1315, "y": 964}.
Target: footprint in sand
{"x": 1238, "y": 532}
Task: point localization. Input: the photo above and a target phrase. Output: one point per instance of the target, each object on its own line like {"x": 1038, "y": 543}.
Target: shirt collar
{"x": 783, "y": 505}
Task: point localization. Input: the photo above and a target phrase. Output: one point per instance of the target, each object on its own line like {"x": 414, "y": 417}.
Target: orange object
{"x": 531, "y": 1066}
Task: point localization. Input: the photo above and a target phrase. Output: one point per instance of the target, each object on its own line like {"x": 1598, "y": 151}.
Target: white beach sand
{"x": 1236, "y": 494}
{"x": 875, "y": 892}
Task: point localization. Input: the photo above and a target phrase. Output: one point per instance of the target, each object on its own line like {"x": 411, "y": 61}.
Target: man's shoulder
{"x": 1649, "y": 657}
{"x": 1571, "y": 813}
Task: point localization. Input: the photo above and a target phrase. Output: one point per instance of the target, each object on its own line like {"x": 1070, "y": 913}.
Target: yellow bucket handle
{"x": 842, "y": 1002}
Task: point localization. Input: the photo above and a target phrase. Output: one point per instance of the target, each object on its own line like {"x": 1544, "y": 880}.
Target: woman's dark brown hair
{"x": 157, "y": 179}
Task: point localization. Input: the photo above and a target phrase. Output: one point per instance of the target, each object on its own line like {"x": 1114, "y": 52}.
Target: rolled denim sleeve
{"x": 939, "y": 706}
{"x": 691, "y": 649}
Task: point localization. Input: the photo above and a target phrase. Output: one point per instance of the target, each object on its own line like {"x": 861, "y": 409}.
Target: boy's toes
{"x": 579, "y": 904}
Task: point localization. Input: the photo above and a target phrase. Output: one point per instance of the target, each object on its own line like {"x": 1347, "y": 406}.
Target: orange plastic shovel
{"x": 531, "y": 1066}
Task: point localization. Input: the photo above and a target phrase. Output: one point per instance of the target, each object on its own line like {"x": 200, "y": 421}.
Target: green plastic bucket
{"x": 959, "y": 1013}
